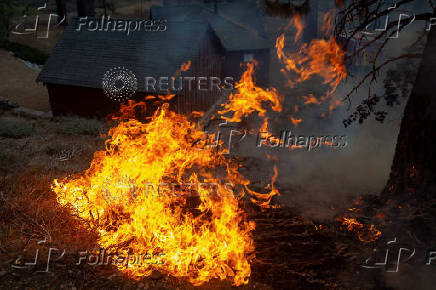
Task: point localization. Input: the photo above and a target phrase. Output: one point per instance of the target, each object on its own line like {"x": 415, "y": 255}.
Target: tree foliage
{"x": 8, "y": 10}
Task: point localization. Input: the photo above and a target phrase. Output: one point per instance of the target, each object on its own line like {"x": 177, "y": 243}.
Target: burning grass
{"x": 203, "y": 235}
{"x": 287, "y": 250}
{"x": 199, "y": 234}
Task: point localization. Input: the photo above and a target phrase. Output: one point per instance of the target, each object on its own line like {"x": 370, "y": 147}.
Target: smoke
{"x": 326, "y": 178}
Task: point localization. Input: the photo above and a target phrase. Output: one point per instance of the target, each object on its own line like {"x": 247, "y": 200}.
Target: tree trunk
{"x": 413, "y": 171}
{"x": 85, "y": 8}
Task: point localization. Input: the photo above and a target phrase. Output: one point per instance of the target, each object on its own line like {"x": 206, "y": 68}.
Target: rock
{"x": 29, "y": 112}
{"x": 13, "y": 104}
{"x": 3, "y": 103}
{"x": 32, "y": 113}
{"x": 48, "y": 115}
{"x": 7, "y": 104}
{"x": 156, "y": 275}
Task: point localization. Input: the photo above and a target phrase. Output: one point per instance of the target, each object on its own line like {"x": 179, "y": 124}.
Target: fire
{"x": 298, "y": 24}
{"x": 197, "y": 234}
{"x": 201, "y": 234}
{"x": 250, "y": 98}
{"x": 264, "y": 200}
{"x": 412, "y": 171}
{"x": 185, "y": 66}
{"x": 321, "y": 57}
{"x": 296, "y": 121}
{"x": 364, "y": 233}
{"x": 310, "y": 99}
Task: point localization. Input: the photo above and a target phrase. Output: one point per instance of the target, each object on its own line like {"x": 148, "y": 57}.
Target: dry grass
{"x": 28, "y": 165}
{"x": 30, "y": 214}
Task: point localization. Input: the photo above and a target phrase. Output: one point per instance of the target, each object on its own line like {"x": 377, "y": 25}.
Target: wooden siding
{"x": 208, "y": 64}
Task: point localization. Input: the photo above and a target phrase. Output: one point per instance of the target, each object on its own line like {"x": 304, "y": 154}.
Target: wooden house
{"x": 74, "y": 71}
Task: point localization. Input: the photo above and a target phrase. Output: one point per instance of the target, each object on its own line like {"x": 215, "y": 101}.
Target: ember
{"x": 364, "y": 233}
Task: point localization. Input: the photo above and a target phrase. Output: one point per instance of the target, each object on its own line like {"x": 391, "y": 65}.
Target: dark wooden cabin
{"x": 74, "y": 71}
{"x": 238, "y": 25}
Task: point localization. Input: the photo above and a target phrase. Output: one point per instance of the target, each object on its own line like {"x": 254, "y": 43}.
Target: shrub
{"x": 28, "y": 53}
{"x": 80, "y": 126}
{"x": 15, "y": 128}
{"x": 5, "y": 160}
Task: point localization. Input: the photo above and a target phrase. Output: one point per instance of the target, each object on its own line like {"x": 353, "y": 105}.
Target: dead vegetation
{"x": 291, "y": 251}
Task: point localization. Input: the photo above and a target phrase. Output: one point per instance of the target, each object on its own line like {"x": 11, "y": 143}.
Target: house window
{"x": 248, "y": 57}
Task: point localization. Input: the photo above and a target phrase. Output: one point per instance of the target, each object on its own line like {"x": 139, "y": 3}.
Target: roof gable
{"x": 81, "y": 58}
{"x": 236, "y": 31}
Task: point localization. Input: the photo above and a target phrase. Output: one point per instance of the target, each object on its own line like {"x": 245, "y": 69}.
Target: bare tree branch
{"x": 376, "y": 69}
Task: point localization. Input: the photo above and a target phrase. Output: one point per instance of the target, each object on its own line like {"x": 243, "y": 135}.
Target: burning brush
{"x": 195, "y": 234}
{"x": 201, "y": 235}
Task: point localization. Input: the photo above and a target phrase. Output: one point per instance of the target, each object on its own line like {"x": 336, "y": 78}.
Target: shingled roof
{"x": 236, "y": 30}
{"x": 81, "y": 58}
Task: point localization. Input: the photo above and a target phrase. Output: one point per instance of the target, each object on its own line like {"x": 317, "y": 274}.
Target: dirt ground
{"x": 291, "y": 251}
{"x": 18, "y": 84}
{"x": 31, "y": 212}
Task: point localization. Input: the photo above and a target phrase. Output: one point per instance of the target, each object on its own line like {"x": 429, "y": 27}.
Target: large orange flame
{"x": 138, "y": 195}
{"x": 249, "y": 98}
{"x": 321, "y": 57}
{"x": 198, "y": 233}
